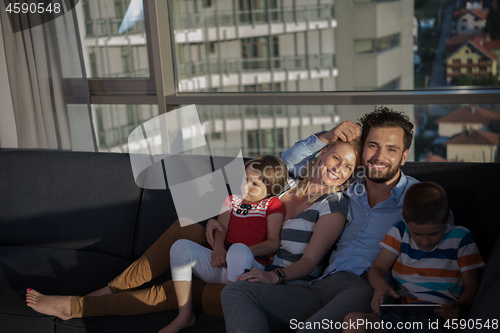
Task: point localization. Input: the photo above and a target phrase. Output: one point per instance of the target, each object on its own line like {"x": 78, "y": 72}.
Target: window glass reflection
{"x": 113, "y": 38}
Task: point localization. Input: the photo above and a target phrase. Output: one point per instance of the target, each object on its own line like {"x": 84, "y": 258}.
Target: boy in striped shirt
{"x": 431, "y": 260}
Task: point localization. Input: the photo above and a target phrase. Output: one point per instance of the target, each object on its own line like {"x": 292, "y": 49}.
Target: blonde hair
{"x": 313, "y": 166}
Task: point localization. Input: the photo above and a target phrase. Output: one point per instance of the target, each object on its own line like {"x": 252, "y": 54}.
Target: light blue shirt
{"x": 358, "y": 245}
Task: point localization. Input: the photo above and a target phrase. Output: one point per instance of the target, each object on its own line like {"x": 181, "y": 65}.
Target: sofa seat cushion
{"x": 71, "y": 272}
{"x": 147, "y": 323}
{"x": 52, "y": 272}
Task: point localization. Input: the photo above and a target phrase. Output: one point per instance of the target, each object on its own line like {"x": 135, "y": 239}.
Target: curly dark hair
{"x": 385, "y": 117}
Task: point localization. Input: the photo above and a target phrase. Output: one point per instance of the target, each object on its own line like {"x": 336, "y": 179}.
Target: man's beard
{"x": 378, "y": 176}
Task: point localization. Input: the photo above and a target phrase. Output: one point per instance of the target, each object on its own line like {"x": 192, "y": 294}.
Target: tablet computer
{"x": 410, "y": 309}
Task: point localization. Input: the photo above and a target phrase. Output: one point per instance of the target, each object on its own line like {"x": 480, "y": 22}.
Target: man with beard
{"x": 375, "y": 205}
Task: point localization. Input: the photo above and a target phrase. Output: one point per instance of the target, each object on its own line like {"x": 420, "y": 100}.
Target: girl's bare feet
{"x": 182, "y": 321}
{"x": 101, "y": 292}
{"x": 59, "y": 306}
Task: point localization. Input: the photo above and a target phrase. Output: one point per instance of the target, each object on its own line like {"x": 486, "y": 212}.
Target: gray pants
{"x": 258, "y": 307}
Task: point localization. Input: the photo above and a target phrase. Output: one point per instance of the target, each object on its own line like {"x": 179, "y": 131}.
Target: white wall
{"x": 451, "y": 129}
{"x": 470, "y": 25}
{"x": 471, "y": 153}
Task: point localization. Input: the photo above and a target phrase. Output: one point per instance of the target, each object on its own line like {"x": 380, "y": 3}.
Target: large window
{"x": 292, "y": 56}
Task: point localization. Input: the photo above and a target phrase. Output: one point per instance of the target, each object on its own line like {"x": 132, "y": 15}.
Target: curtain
{"x": 49, "y": 88}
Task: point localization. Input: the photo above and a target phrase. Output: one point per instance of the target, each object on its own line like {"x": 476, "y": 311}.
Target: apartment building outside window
{"x": 246, "y": 47}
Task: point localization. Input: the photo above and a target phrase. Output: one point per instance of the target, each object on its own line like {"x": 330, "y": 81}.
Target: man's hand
{"x": 379, "y": 296}
{"x": 258, "y": 275}
{"x": 448, "y": 310}
{"x": 345, "y": 131}
{"x": 219, "y": 258}
{"x": 209, "y": 231}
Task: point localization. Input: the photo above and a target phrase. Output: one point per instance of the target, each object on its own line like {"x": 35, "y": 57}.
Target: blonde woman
{"x": 315, "y": 215}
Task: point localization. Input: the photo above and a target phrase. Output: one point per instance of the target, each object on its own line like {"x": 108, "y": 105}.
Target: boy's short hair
{"x": 425, "y": 203}
{"x": 385, "y": 117}
{"x": 273, "y": 172}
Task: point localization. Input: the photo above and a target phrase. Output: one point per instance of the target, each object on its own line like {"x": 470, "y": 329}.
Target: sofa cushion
{"x": 485, "y": 307}
{"x": 68, "y": 200}
{"x": 158, "y": 210}
{"x": 24, "y": 324}
{"x": 157, "y": 214}
{"x": 70, "y": 272}
{"x": 486, "y": 299}
{"x": 152, "y": 322}
{"x": 52, "y": 272}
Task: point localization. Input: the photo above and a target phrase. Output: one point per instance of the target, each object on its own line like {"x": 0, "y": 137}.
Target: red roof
{"x": 478, "y": 43}
{"x": 470, "y": 114}
{"x": 454, "y": 42}
{"x": 475, "y": 137}
{"x": 492, "y": 45}
{"x": 478, "y": 12}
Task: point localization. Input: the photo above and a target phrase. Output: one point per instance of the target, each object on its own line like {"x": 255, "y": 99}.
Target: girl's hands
{"x": 219, "y": 258}
{"x": 258, "y": 275}
{"x": 448, "y": 310}
{"x": 379, "y": 296}
{"x": 209, "y": 230}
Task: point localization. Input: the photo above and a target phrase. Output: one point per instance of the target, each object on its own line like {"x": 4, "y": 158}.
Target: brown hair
{"x": 385, "y": 117}
{"x": 313, "y": 166}
{"x": 272, "y": 170}
{"x": 426, "y": 203}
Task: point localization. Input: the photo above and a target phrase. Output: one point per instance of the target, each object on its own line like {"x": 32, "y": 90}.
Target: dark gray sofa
{"x": 70, "y": 222}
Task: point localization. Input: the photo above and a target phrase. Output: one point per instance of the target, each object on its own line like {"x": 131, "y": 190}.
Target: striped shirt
{"x": 431, "y": 276}
{"x": 298, "y": 230}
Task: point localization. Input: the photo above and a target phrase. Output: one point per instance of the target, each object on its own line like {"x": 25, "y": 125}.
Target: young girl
{"x": 252, "y": 224}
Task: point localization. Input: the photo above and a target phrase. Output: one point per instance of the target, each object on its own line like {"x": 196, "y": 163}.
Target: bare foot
{"x": 59, "y": 306}
{"x": 101, "y": 292}
{"x": 182, "y": 321}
